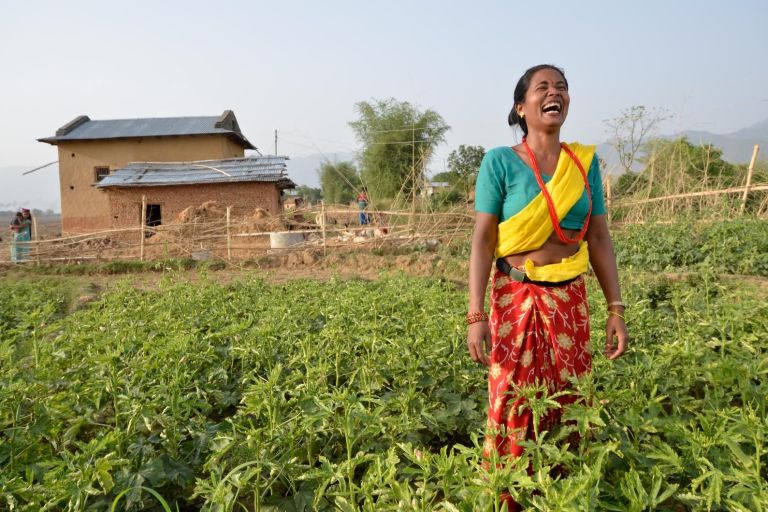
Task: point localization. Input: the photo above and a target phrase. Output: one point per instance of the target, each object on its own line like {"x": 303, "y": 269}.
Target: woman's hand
{"x": 615, "y": 328}
{"x": 479, "y": 342}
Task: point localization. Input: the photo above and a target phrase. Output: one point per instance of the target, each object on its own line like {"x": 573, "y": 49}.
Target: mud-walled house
{"x": 163, "y": 190}
{"x": 186, "y": 162}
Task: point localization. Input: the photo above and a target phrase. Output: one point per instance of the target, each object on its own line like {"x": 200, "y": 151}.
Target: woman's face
{"x": 546, "y": 101}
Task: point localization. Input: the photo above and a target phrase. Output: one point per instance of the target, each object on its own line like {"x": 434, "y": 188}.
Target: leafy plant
{"x": 359, "y": 395}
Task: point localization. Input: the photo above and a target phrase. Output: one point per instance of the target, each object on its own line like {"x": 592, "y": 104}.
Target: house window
{"x": 100, "y": 173}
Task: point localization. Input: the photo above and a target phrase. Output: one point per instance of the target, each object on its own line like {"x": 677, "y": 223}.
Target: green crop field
{"x": 360, "y": 395}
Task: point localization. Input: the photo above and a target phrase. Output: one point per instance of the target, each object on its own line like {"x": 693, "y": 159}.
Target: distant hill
{"x": 756, "y": 131}
{"x": 736, "y": 146}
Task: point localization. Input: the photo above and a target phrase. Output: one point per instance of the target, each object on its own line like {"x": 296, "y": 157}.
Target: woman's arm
{"x": 603, "y": 261}
{"x": 480, "y": 259}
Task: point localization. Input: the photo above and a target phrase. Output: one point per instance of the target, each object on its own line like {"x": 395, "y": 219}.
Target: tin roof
{"x": 270, "y": 169}
{"x": 83, "y": 128}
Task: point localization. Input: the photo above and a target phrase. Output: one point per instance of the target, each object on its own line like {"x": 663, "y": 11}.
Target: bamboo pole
{"x": 143, "y": 225}
{"x": 750, "y": 170}
{"x": 403, "y": 213}
{"x": 35, "y": 238}
{"x": 732, "y": 190}
{"x": 229, "y": 234}
{"x": 322, "y": 225}
{"x": 412, "y": 218}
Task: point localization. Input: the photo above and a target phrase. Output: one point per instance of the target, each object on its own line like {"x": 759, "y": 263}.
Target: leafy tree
{"x": 446, "y": 198}
{"x": 676, "y": 166}
{"x": 309, "y": 193}
{"x": 339, "y": 181}
{"x": 629, "y": 183}
{"x": 465, "y": 162}
{"x": 688, "y": 164}
{"x": 398, "y": 142}
{"x": 450, "y": 177}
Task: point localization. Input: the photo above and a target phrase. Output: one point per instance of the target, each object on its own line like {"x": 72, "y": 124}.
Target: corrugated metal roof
{"x": 86, "y": 129}
{"x": 271, "y": 169}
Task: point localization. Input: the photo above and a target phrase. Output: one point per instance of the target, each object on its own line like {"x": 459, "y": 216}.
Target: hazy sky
{"x": 299, "y": 67}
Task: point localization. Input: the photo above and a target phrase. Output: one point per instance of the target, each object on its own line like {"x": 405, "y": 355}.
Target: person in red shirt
{"x": 362, "y": 203}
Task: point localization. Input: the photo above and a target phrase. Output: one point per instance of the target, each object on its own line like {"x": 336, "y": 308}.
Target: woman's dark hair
{"x": 522, "y": 87}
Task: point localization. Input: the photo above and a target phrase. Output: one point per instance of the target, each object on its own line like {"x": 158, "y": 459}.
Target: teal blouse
{"x": 505, "y": 185}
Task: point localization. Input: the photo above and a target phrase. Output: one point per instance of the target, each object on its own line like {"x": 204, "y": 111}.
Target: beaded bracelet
{"x": 477, "y": 316}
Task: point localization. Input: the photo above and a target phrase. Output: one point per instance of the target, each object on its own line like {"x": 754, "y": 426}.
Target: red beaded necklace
{"x": 548, "y": 197}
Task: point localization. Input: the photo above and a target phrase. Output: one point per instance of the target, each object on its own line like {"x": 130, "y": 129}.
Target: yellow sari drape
{"x": 528, "y": 229}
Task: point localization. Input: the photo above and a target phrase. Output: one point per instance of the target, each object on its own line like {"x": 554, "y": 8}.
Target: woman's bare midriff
{"x": 552, "y": 251}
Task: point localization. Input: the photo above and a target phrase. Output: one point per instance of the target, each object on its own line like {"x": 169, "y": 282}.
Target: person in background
{"x": 14, "y": 227}
{"x": 362, "y": 203}
{"x": 23, "y": 234}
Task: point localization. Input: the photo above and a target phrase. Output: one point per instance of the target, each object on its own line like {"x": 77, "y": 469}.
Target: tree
{"x": 450, "y": 177}
{"x": 309, "y": 194}
{"x": 398, "y": 141}
{"x": 465, "y": 162}
{"x": 339, "y": 181}
{"x": 688, "y": 166}
{"x": 631, "y": 130}
{"x": 673, "y": 166}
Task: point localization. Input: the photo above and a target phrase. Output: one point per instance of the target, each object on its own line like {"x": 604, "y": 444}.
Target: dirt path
{"x": 278, "y": 269}
{"x": 275, "y": 269}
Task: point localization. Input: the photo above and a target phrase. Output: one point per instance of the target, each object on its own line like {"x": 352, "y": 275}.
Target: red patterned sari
{"x": 539, "y": 336}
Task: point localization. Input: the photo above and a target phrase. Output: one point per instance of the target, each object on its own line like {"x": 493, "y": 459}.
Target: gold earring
{"x": 522, "y": 115}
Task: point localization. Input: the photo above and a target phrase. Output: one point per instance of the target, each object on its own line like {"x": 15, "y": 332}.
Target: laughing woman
{"x": 540, "y": 215}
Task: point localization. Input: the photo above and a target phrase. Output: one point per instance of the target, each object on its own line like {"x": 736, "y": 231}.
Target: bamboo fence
{"x": 319, "y": 228}
{"x": 678, "y": 196}
{"x": 219, "y": 235}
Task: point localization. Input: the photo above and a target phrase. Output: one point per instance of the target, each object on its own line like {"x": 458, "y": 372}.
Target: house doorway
{"x": 153, "y": 217}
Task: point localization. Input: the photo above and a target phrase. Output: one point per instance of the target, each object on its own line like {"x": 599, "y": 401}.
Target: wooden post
{"x": 411, "y": 221}
{"x": 143, "y": 225}
{"x": 229, "y": 234}
{"x": 750, "y": 170}
{"x": 322, "y": 224}
{"x": 34, "y": 238}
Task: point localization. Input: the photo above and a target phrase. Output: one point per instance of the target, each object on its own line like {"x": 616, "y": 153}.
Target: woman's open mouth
{"x": 552, "y": 108}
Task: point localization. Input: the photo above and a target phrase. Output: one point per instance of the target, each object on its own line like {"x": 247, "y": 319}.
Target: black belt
{"x": 518, "y": 275}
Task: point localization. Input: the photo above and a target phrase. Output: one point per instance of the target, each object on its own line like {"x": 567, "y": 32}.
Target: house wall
{"x": 85, "y": 208}
{"x": 125, "y": 203}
